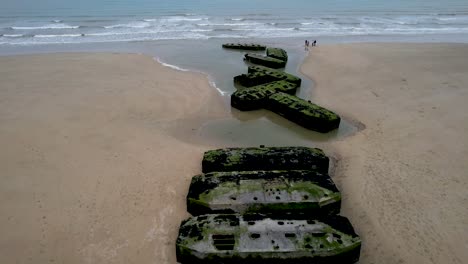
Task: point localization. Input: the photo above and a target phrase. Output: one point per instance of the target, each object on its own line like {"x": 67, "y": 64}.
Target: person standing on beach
{"x": 306, "y": 46}
{"x": 314, "y": 43}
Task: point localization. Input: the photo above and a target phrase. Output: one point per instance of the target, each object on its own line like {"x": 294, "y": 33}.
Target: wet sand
{"x": 98, "y": 151}
{"x": 404, "y": 178}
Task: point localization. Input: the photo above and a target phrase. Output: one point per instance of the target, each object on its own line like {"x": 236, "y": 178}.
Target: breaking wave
{"x": 88, "y": 29}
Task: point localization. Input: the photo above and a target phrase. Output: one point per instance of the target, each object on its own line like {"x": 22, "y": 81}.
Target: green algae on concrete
{"x": 258, "y": 239}
{"x": 244, "y": 46}
{"x": 259, "y": 77}
{"x": 298, "y": 193}
{"x": 277, "y": 53}
{"x": 277, "y": 73}
{"x": 302, "y": 112}
{"x": 265, "y": 158}
{"x": 255, "y": 98}
{"x": 254, "y": 79}
{"x": 250, "y": 99}
{"x": 265, "y": 61}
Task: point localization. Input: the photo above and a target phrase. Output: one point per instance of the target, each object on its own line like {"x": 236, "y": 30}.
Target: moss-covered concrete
{"x": 254, "y": 79}
{"x": 299, "y": 193}
{"x": 265, "y": 61}
{"x": 258, "y": 239}
{"x": 304, "y": 113}
{"x": 277, "y": 73}
{"x": 259, "y": 77}
{"x": 265, "y": 158}
{"x": 277, "y": 53}
{"x": 255, "y": 98}
{"x": 244, "y": 46}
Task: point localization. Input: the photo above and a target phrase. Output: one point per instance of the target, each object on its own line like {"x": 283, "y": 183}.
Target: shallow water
{"x": 253, "y": 127}
{"x": 266, "y": 128}
{"x": 221, "y": 65}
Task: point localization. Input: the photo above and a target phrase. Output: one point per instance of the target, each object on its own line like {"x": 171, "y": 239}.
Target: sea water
{"x": 187, "y": 35}
{"x": 28, "y": 22}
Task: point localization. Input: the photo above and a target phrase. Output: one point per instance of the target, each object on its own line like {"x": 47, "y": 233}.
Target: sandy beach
{"x": 404, "y": 177}
{"x": 90, "y": 170}
{"x": 95, "y": 167}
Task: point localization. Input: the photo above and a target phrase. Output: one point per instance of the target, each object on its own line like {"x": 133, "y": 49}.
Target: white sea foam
{"x": 57, "y": 36}
{"x": 130, "y": 25}
{"x": 210, "y": 79}
{"x": 221, "y": 92}
{"x": 200, "y": 30}
{"x": 194, "y": 26}
{"x": 13, "y": 35}
{"x": 48, "y": 26}
{"x": 264, "y": 29}
{"x": 184, "y": 18}
{"x": 106, "y": 34}
{"x": 213, "y": 84}
{"x": 170, "y": 65}
{"x": 226, "y": 24}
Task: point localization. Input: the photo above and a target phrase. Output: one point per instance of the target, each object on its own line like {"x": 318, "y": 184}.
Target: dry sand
{"x": 90, "y": 172}
{"x": 95, "y": 168}
{"x": 404, "y": 177}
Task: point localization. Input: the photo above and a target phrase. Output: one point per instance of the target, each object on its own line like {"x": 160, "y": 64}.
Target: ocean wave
{"x": 130, "y": 25}
{"x": 149, "y": 32}
{"x": 285, "y": 23}
{"x": 122, "y": 28}
{"x": 198, "y": 30}
{"x": 265, "y": 29}
{"x": 427, "y": 30}
{"x": 448, "y": 18}
{"x": 236, "y": 19}
{"x": 104, "y": 34}
{"x": 224, "y": 36}
{"x": 59, "y": 36}
{"x": 156, "y": 34}
{"x": 131, "y": 38}
{"x": 226, "y": 24}
{"x": 184, "y": 18}
{"x": 185, "y": 14}
{"x": 13, "y": 35}
{"x": 48, "y": 26}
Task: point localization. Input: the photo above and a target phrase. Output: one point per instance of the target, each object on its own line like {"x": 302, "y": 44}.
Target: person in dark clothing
{"x": 314, "y": 43}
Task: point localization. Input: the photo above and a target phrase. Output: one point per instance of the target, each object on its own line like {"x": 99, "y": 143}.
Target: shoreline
{"x": 452, "y": 38}
{"x": 208, "y": 76}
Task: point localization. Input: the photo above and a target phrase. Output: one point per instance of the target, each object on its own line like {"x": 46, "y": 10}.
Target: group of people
{"x": 314, "y": 43}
